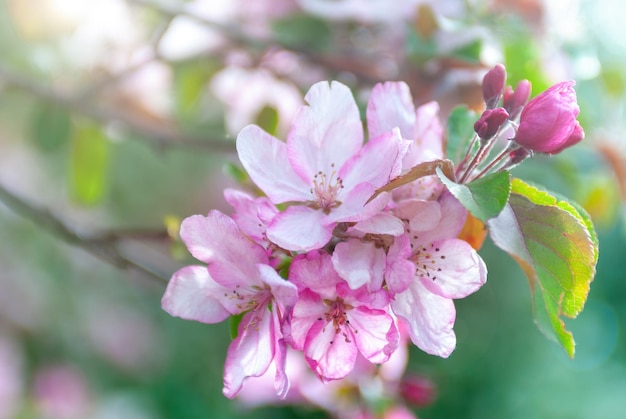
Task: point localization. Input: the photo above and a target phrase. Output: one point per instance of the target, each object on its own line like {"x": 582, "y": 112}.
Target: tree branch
{"x": 104, "y": 246}
{"x": 158, "y": 135}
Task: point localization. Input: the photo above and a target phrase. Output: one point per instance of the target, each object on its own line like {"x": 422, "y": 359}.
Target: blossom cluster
{"x": 324, "y": 261}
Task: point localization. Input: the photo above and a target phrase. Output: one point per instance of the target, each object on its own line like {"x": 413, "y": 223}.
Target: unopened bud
{"x": 418, "y": 391}
{"x": 514, "y": 100}
{"x": 489, "y": 122}
{"x": 548, "y": 123}
{"x": 493, "y": 84}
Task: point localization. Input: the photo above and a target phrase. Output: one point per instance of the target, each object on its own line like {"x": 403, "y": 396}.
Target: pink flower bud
{"x": 418, "y": 391}
{"x": 489, "y": 122}
{"x": 493, "y": 84}
{"x": 514, "y": 100}
{"x": 548, "y": 123}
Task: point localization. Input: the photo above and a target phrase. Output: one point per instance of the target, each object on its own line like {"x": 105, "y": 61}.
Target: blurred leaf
{"x": 460, "y": 131}
{"x": 267, "y": 119}
{"x": 613, "y": 80}
{"x": 419, "y": 49}
{"x": 51, "y": 126}
{"x": 555, "y": 244}
{"x": 237, "y": 173}
{"x": 485, "y": 197}
{"x": 190, "y": 79}
{"x": 425, "y": 21}
{"x": 88, "y": 163}
{"x": 303, "y": 31}
{"x": 469, "y": 52}
{"x": 523, "y": 60}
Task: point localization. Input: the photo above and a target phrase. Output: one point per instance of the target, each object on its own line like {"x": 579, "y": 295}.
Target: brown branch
{"x": 159, "y": 135}
{"x": 104, "y": 245}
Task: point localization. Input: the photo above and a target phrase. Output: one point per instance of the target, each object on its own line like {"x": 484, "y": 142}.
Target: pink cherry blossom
{"x": 324, "y": 171}
{"x": 446, "y": 268}
{"x": 237, "y": 280}
{"x": 332, "y": 323}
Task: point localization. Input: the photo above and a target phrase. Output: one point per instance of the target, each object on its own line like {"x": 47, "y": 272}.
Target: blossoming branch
{"x": 354, "y": 249}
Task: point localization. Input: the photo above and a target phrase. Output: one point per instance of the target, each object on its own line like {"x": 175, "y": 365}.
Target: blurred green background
{"x": 118, "y": 119}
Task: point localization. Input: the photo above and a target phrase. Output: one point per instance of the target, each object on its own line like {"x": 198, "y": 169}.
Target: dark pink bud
{"x": 518, "y": 155}
{"x": 489, "y": 122}
{"x": 514, "y": 101}
{"x": 418, "y": 391}
{"x": 548, "y": 123}
{"x": 493, "y": 84}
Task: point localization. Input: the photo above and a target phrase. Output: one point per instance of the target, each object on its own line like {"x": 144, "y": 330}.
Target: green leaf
{"x": 267, "y": 119}
{"x": 460, "y": 131}
{"x": 485, "y": 197}
{"x": 234, "y": 322}
{"x": 555, "y": 244}
{"x": 51, "y": 126}
{"x": 303, "y": 31}
{"x": 88, "y": 163}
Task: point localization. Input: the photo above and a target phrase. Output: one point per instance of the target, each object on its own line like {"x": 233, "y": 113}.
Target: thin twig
{"x": 104, "y": 246}
{"x": 159, "y": 135}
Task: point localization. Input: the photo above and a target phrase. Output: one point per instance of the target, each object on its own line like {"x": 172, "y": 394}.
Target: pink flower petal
{"x": 453, "y": 216}
{"x": 252, "y": 351}
{"x": 251, "y": 214}
{"x": 328, "y": 131}
{"x": 430, "y": 319}
{"x": 193, "y": 295}
{"x": 455, "y": 269}
{"x": 391, "y": 106}
{"x": 315, "y": 271}
{"x": 330, "y": 355}
{"x": 300, "y": 229}
{"x": 381, "y": 223}
{"x": 376, "y": 334}
{"x": 359, "y": 263}
{"x": 376, "y": 162}
{"x": 217, "y": 237}
{"x": 284, "y": 292}
{"x": 306, "y": 313}
{"x": 265, "y": 159}
{"x": 353, "y": 208}
{"x": 399, "y": 272}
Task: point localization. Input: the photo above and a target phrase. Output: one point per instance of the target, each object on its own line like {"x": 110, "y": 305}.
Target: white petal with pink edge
{"x": 455, "y": 269}
{"x": 391, "y": 106}
{"x": 327, "y": 132}
{"x": 265, "y": 159}
{"x": 429, "y": 317}
{"x": 192, "y": 294}
{"x": 300, "y": 229}
{"x": 252, "y": 351}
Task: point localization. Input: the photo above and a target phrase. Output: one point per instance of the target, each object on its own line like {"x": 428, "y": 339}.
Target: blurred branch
{"x": 104, "y": 246}
{"x": 365, "y": 69}
{"x": 160, "y": 135}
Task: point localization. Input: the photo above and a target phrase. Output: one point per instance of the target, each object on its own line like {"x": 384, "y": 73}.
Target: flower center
{"x": 337, "y": 315}
{"x": 325, "y": 189}
{"x": 426, "y": 261}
